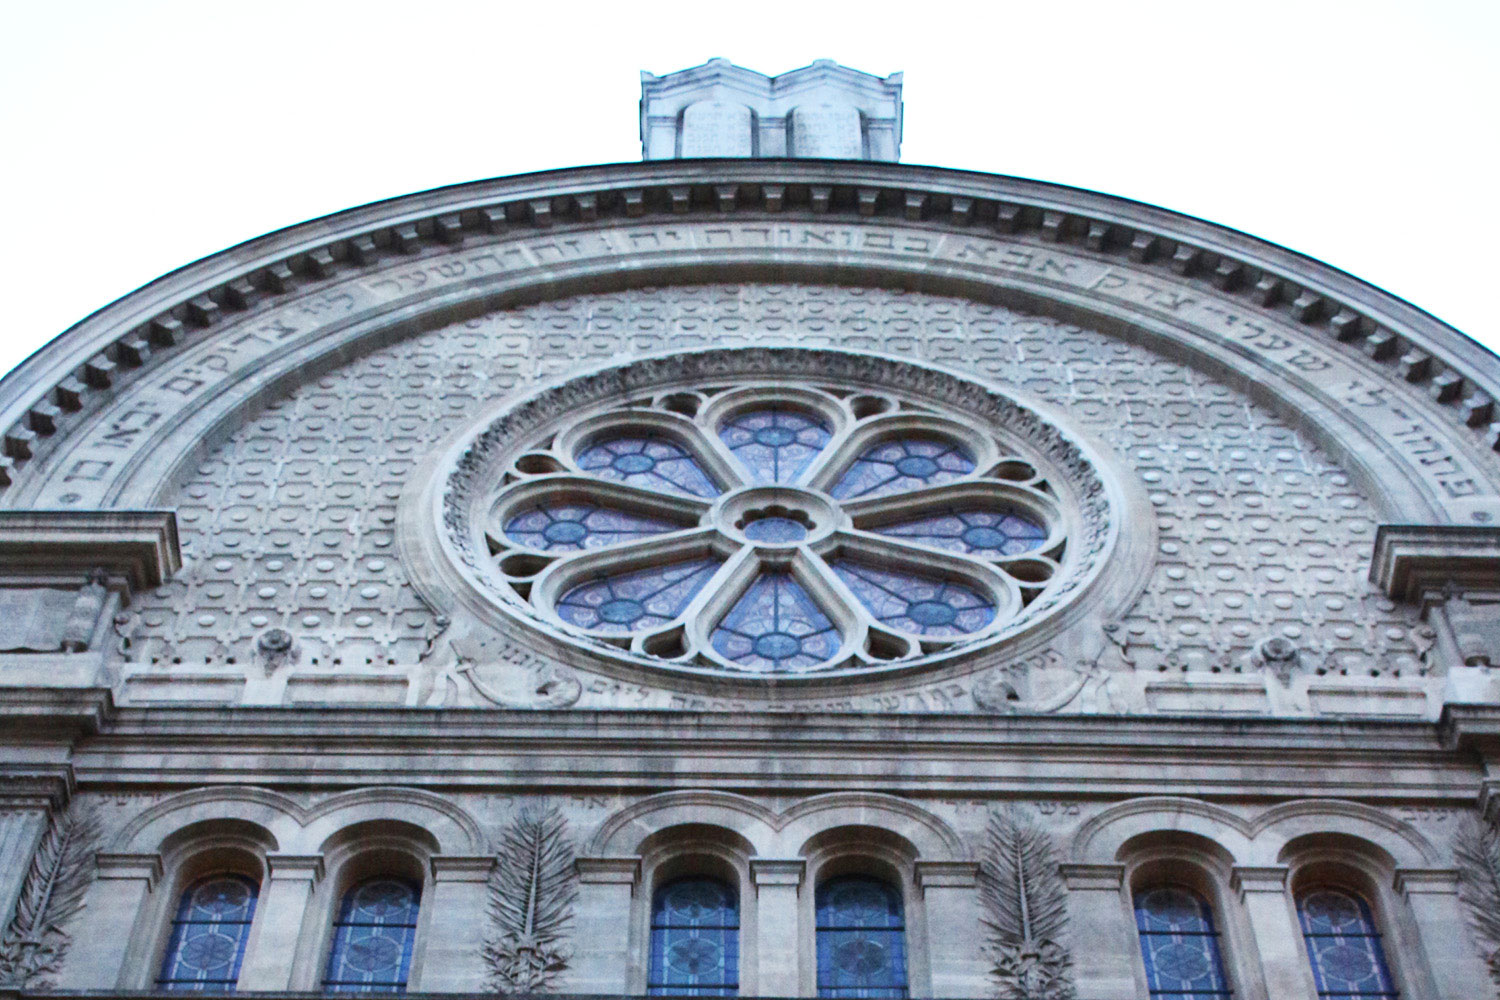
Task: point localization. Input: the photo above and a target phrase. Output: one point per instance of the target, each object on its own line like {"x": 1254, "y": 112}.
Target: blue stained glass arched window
{"x": 373, "y": 938}
{"x": 777, "y": 445}
{"x": 917, "y": 604}
{"x": 655, "y": 463}
{"x": 901, "y": 465}
{"x": 571, "y": 527}
{"x": 695, "y": 939}
{"x": 1343, "y": 945}
{"x": 208, "y": 935}
{"x": 630, "y": 602}
{"x": 1180, "y": 945}
{"x": 776, "y": 626}
{"x": 990, "y": 533}
{"x": 861, "y": 939}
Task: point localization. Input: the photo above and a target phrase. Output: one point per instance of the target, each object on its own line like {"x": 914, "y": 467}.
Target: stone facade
{"x": 273, "y": 620}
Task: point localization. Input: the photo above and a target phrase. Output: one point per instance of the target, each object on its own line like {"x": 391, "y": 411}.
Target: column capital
{"x": 1093, "y": 877}
{"x": 143, "y": 867}
{"x": 294, "y": 867}
{"x": 462, "y": 867}
{"x": 947, "y": 874}
{"x": 777, "y": 871}
{"x": 625, "y": 870}
{"x": 1258, "y": 878}
{"x": 1437, "y": 881}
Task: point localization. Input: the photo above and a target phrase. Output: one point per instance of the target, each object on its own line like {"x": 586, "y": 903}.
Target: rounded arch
{"x": 276, "y": 818}
{"x": 1278, "y": 828}
{"x": 627, "y": 831}
{"x": 930, "y": 837}
{"x": 449, "y": 828}
{"x": 1103, "y": 838}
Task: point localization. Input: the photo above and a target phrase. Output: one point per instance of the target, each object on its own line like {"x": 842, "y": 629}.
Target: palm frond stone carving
{"x": 34, "y": 943}
{"x": 1476, "y": 849}
{"x": 1025, "y": 911}
{"x": 531, "y": 890}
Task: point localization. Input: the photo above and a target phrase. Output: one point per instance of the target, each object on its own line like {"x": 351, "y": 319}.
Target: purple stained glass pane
{"x": 776, "y": 445}
{"x": 1179, "y": 945}
{"x": 635, "y": 601}
{"x": 917, "y": 604}
{"x": 573, "y": 527}
{"x": 902, "y": 465}
{"x": 209, "y": 935}
{"x": 776, "y": 627}
{"x": 1344, "y": 945}
{"x": 861, "y": 939}
{"x": 373, "y": 938}
{"x": 694, "y": 939}
{"x": 653, "y": 463}
{"x": 990, "y": 533}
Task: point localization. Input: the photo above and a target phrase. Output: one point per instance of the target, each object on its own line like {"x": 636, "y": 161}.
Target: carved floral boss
{"x": 775, "y": 530}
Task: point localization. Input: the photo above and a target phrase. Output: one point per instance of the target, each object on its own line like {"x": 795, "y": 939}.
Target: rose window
{"x": 775, "y": 529}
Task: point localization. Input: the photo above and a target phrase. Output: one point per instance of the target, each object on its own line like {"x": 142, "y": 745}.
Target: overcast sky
{"x": 138, "y": 136}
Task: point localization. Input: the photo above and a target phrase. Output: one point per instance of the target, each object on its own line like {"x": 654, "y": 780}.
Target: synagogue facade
{"x": 764, "y": 569}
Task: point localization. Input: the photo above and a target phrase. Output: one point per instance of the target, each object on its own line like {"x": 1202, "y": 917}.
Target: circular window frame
{"x": 465, "y": 485}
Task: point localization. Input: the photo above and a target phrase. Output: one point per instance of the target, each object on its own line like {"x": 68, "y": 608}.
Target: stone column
{"x": 955, "y": 939}
{"x": 453, "y": 957}
{"x": 277, "y": 927}
{"x": 20, "y": 832}
{"x": 602, "y": 962}
{"x": 1278, "y": 939}
{"x": 777, "y": 931}
{"x": 101, "y": 935}
{"x": 1442, "y": 928}
{"x": 1102, "y": 932}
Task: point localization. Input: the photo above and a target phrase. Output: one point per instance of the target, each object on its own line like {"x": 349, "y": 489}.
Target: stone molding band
{"x": 174, "y": 312}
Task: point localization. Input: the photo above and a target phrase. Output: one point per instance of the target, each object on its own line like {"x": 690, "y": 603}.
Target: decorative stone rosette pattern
{"x": 834, "y": 520}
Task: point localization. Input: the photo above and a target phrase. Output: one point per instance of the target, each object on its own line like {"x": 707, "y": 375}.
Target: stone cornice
{"x": 38, "y": 399}
{"x": 140, "y": 545}
{"x": 1412, "y": 558}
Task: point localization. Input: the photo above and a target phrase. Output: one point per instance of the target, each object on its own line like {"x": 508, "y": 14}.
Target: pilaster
{"x": 955, "y": 944}
{"x": 1103, "y": 934}
{"x": 606, "y": 887}
{"x": 101, "y": 935}
{"x": 1278, "y": 939}
{"x": 453, "y": 957}
{"x": 778, "y": 882}
{"x": 1442, "y": 930}
{"x": 279, "y": 915}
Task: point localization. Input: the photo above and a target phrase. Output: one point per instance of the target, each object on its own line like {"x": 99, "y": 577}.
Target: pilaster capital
{"x": 462, "y": 867}
{"x": 1093, "y": 878}
{"x": 947, "y": 874}
{"x": 1412, "y": 558}
{"x": 1245, "y": 879}
{"x": 778, "y": 871}
{"x": 625, "y": 870}
{"x": 144, "y": 867}
{"x": 1427, "y": 881}
{"x": 295, "y": 867}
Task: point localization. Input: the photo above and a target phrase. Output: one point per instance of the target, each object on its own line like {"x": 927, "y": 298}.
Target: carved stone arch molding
{"x": 777, "y": 835}
{"x": 295, "y": 829}
{"x": 1281, "y": 824}
{"x": 105, "y": 415}
{"x": 1100, "y": 839}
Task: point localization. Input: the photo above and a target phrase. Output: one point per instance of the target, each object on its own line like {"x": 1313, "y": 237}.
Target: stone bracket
{"x": 1410, "y": 559}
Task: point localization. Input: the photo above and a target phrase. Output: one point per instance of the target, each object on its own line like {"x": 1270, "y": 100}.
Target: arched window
{"x": 1343, "y": 945}
{"x": 373, "y": 938}
{"x": 1179, "y": 945}
{"x": 208, "y": 935}
{"x": 695, "y": 939}
{"x": 861, "y": 939}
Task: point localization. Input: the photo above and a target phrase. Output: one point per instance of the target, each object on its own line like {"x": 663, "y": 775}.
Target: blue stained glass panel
{"x": 577, "y": 526}
{"x": 208, "y": 935}
{"x": 695, "y": 939}
{"x": 1344, "y": 945}
{"x": 631, "y": 602}
{"x": 776, "y": 626}
{"x": 653, "y": 463}
{"x": 901, "y": 465}
{"x": 988, "y": 533}
{"x": 776, "y": 445}
{"x": 373, "y": 938}
{"x": 917, "y": 604}
{"x": 1179, "y": 945}
{"x": 861, "y": 936}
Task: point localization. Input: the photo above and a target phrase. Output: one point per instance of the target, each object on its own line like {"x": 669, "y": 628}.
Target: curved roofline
{"x": 426, "y": 193}
{"x": 200, "y": 292}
